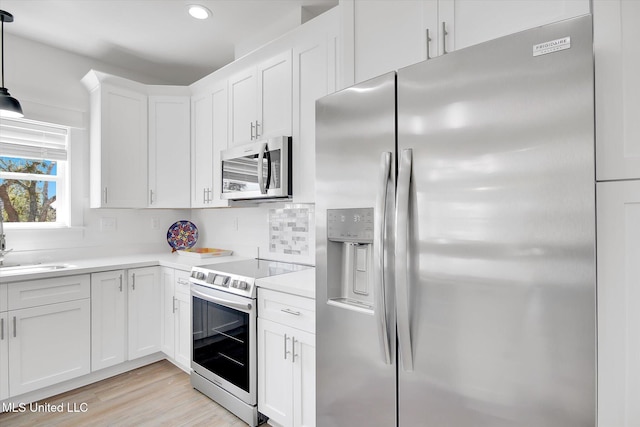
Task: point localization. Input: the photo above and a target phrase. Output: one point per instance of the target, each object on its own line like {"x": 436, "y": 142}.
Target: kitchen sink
{"x": 32, "y": 268}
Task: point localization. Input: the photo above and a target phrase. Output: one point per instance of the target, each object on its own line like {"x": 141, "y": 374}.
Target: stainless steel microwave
{"x": 259, "y": 170}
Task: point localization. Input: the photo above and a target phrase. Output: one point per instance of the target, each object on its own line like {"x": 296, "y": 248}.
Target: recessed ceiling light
{"x": 199, "y": 12}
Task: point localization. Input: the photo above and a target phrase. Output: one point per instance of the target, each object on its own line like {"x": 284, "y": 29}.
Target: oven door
{"x": 257, "y": 170}
{"x": 223, "y": 344}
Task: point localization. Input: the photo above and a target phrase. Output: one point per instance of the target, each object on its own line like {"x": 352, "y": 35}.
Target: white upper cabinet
{"x": 617, "y": 52}
{"x": 314, "y": 76}
{"x": 169, "y": 147}
{"x": 209, "y": 124}
{"x": 389, "y": 34}
{"x": 274, "y": 96}
{"x": 118, "y": 147}
{"x": 243, "y": 99}
{"x": 260, "y": 100}
{"x": 469, "y": 22}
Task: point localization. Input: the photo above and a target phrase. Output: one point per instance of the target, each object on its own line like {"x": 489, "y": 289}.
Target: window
{"x": 33, "y": 157}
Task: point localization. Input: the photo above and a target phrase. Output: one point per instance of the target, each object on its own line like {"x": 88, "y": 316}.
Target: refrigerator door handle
{"x": 402, "y": 254}
{"x": 380, "y": 216}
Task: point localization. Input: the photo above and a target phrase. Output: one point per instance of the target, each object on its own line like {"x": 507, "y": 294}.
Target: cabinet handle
{"x": 150, "y": 197}
{"x": 133, "y": 281}
{"x": 204, "y": 195}
{"x": 120, "y": 283}
{"x": 2, "y": 329}
{"x": 289, "y": 311}
{"x": 209, "y": 196}
{"x": 105, "y": 195}
{"x": 174, "y": 305}
{"x": 257, "y": 132}
{"x": 252, "y": 137}
{"x": 14, "y": 327}
{"x": 428, "y": 44}
{"x": 285, "y": 346}
{"x": 293, "y": 350}
{"x": 444, "y": 38}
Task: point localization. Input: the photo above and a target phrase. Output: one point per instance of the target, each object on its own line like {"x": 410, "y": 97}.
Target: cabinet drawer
{"x": 291, "y": 310}
{"x": 182, "y": 282}
{"x": 48, "y": 291}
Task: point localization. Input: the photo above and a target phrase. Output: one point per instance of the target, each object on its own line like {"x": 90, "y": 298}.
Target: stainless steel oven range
{"x": 223, "y": 325}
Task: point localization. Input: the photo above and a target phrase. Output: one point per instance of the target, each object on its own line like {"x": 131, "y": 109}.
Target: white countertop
{"x": 92, "y": 265}
{"x": 301, "y": 283}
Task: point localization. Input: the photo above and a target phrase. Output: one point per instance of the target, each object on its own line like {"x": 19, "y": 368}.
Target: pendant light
{"x": 9, "y": 106}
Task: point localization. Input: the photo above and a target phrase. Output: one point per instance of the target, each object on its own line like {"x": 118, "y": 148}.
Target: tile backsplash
{"x": 291, "y": 229}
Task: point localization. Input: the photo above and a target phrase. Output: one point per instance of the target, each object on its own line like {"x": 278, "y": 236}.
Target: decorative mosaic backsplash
{"x": 290, "y": 229}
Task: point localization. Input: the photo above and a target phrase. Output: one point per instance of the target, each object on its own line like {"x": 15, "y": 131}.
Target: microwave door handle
{"x": 263, "y": 149}
{"x": 268, "y": 184}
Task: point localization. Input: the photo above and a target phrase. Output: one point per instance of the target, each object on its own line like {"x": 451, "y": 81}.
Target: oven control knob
{"x": 242, "y": 285}
{"x": 210, "y": 277}
{"x": 199, "y": 275}
{"x": 234, "y": 284}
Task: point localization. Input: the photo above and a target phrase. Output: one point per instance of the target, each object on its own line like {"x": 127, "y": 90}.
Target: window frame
{"x": 61, "y": 179}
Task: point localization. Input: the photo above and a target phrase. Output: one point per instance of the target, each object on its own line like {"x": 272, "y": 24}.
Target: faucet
{"x": 3, "y": 243}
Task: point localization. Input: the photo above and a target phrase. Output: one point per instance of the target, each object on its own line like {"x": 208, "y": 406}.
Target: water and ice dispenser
{"x": 350, "y": 258}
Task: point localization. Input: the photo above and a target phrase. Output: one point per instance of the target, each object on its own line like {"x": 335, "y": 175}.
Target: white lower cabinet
{"x": 176, "y": 316}
{"x": 108, "y": 319}
{"x": 46, "y": 343}
{"x": 4, "y": 356}
{"x": 618, "y": 301}
{"x": 144, "y": 311}
{"x": 286, "y": 359}
{"x": 125, "y": 315}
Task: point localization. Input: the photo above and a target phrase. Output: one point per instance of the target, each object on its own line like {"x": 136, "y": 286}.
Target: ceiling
{"x": 158, "y": 38}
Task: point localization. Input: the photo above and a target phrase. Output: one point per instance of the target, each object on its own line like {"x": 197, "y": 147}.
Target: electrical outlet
{"x": 236, "y": 221}
{"x": 155, "y": 223}
{"x": 108, "y": 224}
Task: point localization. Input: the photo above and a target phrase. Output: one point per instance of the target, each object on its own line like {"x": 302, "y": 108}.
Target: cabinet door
{"x": 469, "y": 22}
{"x": 122, "y": 150}
{"x": 391, "y": 34}
{"x": 3, "y": 298}
{"x": 49, "y": 344}
{"x": 108, "y": 319}
{"x": 169, "y": 151}
{"x": 304, "y": 379}
{"x": 275, "y": 370}
{"x": 274, "y": 96}
{"x": 242, "y": 106}
{"x": 618, "y": 207}
{"x": 220, "y": 106}
{"x": 4, "y": 356}
{"x": 167, "y": 280}
{"x": 144, "y": 311}
{"x": 617, "y": 53}
{"x": 183, "y": 331}
{"x": 310, "y": 81}
{"x": 201, "y": 149}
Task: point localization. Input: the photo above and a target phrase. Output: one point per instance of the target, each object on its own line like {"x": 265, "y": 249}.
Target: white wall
{"x": 46, "y": 81}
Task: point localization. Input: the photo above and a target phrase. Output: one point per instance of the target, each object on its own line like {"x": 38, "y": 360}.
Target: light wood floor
{"x": 155, "y": 395}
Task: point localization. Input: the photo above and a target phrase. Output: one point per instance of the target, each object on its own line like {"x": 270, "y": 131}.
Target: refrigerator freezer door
{"x": 501, "y": 233}
{"x": 355, "y": 142}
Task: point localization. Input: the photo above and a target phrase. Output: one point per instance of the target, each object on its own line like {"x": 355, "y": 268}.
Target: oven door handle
{"x": 221, "y": 301}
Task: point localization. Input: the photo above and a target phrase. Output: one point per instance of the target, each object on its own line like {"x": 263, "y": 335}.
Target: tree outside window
{"x": 28, "y": 189}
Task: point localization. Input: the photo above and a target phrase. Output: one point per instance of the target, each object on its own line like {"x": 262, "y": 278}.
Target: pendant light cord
{"x": 2, "y": 41}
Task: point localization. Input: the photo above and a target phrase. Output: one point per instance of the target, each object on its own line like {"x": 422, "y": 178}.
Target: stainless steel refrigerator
{"x": 455, "y": 211}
